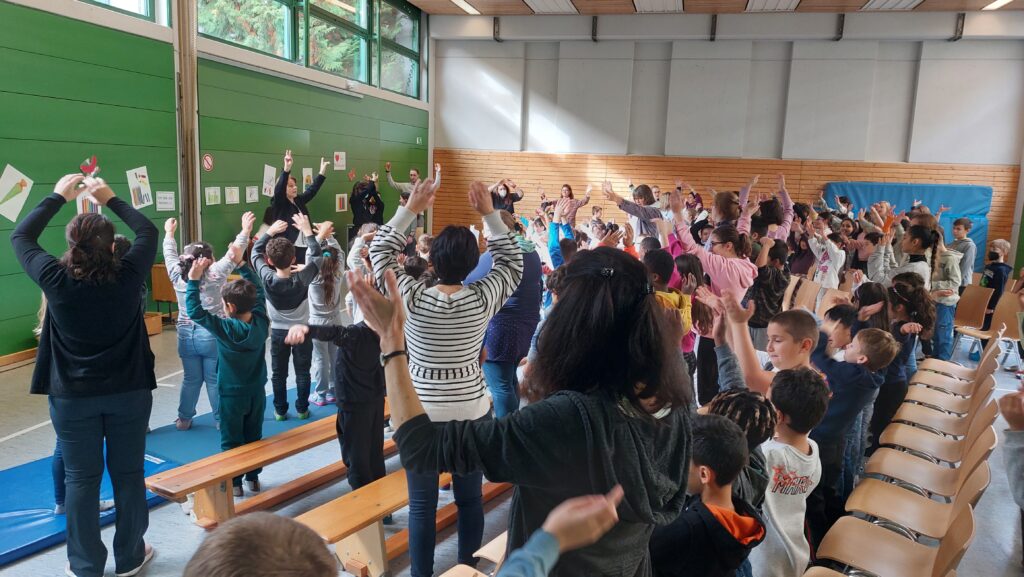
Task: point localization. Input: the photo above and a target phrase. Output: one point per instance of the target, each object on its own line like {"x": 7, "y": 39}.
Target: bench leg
{"x": 214, "y": 505}
{"x": 364, "y": 551}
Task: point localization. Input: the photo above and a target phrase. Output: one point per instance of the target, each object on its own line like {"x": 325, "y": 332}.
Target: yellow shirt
{"x": 673, "y": 299}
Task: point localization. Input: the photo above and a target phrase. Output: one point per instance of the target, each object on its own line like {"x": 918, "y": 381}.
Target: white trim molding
{"x": 101, "y": 16}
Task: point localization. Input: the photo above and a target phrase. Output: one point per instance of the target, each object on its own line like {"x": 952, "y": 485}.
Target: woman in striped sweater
{"x": 444, "y": 332}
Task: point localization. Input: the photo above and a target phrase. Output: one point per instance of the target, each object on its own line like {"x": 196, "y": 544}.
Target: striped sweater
{"x": 444, "y": 332}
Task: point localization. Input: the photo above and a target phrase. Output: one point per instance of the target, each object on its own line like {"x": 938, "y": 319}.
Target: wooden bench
{"x": 493, "y": 552}
{"x": 210, "y": 478}
{"x": 354, "y": 522}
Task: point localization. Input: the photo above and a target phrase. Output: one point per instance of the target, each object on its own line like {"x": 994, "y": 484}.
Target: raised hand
{"x": 324, "y": 230}
{"x": 627, "y": 236}
{"x": 911, "y": 328}
{"x": 869, "y": 311}
{"x": 248, "y": 220}
{"x": 590, "y": 188}
{"x": 385, "y": 315}
{"x": 277, "y": 228}
{"x": 1012, "y": 408}
{"x": 676, "y": 204}
{"x": 170, "y": 226}
{"x": 733, "y": 308}
{"x": 612, "y": 239}
{"x": 703, "y": 294}
{"x": 782, "y": 182}
{"x": 302, "y": 223}
{"x": 67, "y": 186}
{"x": 437, "y": 168}
{"x": 480, "y": 198}
{"x": 235, "y": 253}
{"x": 288, "y": 161}
{"x": 296, "y": 335}
{"x": 581, "y": 521}
{"x": 422, "y": 196}
{"x": 387, "y": 167}
{"x": 199, "y": 267}
{"x": 323, "y": 166}
{"x": 98, "y": 189}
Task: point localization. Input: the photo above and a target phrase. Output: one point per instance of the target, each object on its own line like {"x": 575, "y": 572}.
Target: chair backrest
{"x": 829, "y": 298}
{"x": 974, "y": 487}
{"x": 989, "y": 360}
{"x": 983, "y": 393}
{"x": 807, "y": 295}
{"x": 977, "y": 452}
{"x": 787, "y": 297}
{"x": 970, "y": 311}
{"x": 981, "y": 418}
{"x": 1006, "y": 313}
{"x": 954, "y": 544}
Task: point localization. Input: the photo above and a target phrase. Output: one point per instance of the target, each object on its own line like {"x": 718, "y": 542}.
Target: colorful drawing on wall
{"x": 252, "y": 194}
{"x": 90, "y": 166}
{"x": 339, "y": 161}
{"x": 212, "y": 195}
{"x": 85, "y": 203}
{"x": 307, "y": 176}
{"x": 231, "y": 195}
{"x": 138, "y": 184}
{"x": 269, "y": 176}
{"x": 351, "y": 175}
{"x": 14, "y": 189}
{"x": 164, "y": 200}
{"x": 341, "y": 203}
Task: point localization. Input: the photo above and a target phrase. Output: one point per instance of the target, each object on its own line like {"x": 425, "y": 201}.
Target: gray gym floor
{"x": 26, "y": 434}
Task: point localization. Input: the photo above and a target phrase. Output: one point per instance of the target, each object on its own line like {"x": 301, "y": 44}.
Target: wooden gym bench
{"x": 353, "y": 522}
{"x": 210, "y": 478}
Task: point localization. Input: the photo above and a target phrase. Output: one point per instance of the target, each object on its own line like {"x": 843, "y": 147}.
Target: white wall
{"x": 869, "y": 99}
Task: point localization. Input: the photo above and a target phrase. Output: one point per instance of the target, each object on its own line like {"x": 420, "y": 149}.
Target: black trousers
{"x": 361, "y": 435}
{"x": 707, "y": 371}
{"x": 825, "y": 504}
{"x": 889, "y": 399}
{"x": 302, "y": 359}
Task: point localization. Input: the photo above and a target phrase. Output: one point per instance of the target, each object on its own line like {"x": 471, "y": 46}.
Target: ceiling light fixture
{"x": 997, "y": 5}
{"x": 466, "y": 7}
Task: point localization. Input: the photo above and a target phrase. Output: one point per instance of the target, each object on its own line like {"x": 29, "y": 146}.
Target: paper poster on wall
{"x": 85, "y": 203}
{"x": 341, "y": 203}
{"x": 212, "y": 195}
{"x": 231, "y": 195}
{"x": 14, "y": 189}
{"x": 164, "y": 200}
{"x": 307, "y": 176}
{"x": 138, "y": 184}
{"x": 339, "y": 161}
{"x": 252, "y": 194}
{"x": 269, "y": 176}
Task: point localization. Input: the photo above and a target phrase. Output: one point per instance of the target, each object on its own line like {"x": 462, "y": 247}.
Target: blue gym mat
{"x": 27, "y": 522}
{"x": 203, "y": 439}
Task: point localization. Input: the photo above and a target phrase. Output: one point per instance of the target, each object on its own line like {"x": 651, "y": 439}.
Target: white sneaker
{"x": 150, "y": 552}
{"x": 68, "y": 571}
{"x": 59, "y": 510}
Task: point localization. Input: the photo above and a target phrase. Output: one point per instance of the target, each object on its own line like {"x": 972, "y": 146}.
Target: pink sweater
{"x": 735, "y": 274}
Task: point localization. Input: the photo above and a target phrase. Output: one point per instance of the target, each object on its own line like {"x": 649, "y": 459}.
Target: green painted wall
{"x": 69, "y": 90}
{"x": 247, "y": 119}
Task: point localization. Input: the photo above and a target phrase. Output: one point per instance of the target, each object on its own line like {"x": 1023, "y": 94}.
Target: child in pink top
{"x": 780, "y": 232}
{"x": 726, "y": 264}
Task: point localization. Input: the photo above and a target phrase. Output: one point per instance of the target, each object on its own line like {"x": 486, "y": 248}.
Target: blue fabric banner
{"x": 963, "y": 200}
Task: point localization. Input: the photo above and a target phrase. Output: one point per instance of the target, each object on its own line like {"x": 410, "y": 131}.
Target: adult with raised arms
{"x": 288, "y": 201}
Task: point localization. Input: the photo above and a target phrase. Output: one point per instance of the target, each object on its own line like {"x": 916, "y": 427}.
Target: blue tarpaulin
{"x": 964, "y": 200}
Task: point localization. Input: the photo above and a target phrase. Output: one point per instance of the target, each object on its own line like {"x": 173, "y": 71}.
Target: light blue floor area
{"x": 25, "y": 435}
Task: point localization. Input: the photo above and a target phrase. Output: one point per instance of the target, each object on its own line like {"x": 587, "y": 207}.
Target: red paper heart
{"x": 89, "y": 165}
{"x": 351, "y": 175}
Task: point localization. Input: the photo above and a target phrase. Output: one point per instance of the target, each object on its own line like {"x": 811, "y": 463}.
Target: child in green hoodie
{"x": 241, "y": 353}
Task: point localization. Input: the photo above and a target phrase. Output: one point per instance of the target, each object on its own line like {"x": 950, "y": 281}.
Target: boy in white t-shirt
{"x": 800, "y": 396}
{"x": 826, "y": 246}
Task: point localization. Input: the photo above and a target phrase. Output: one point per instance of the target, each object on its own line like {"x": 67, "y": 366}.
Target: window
{"x": 263, "y": 25}
{"x": 154, "y": 10}
{"x": 398, "y": 51}
{"x": 337, "y": 50}
{"x": 354, "y": 11}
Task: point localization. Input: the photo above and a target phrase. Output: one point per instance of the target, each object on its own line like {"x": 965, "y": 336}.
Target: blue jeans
{"x": 504, "y": 386}
{"x": 324, "y": 355}
{"x": 57, "y": 469}
{"x": 197, "y": 348}
{"x": 83, "y": 424}
{"x": 942, "y": 342}
{"x": 423, "y": 513}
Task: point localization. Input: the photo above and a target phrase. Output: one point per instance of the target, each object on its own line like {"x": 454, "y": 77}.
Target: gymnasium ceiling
{"x": 527, "y": 7}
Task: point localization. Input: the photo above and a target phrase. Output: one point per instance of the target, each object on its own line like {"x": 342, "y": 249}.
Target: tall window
{"x": 375, "y": 42}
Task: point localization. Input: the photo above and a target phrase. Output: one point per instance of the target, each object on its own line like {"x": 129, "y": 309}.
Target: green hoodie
{"x": 241, "y": 346}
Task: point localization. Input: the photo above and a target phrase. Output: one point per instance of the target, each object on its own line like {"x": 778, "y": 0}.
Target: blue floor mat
{"x": 203, "y": 439}
{"x": 27, "y": 522}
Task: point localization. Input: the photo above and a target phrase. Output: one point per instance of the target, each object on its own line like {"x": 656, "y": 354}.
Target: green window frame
{"x": 150, "y": 9}
{"x": 289, "y": 42}
{"x": 394, "y": 47}
{"x": 365, "y": 36}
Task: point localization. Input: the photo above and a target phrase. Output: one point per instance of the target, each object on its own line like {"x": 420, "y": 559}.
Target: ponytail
{"x": 916, "y": 301}
{"x": 191, "y": 254}
{"x": 329, "y": 272}
{"x": 936, "y": 239}
{"x": 740, "y": 241}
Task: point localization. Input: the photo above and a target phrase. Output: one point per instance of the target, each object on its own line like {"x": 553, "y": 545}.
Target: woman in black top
{"x": 287, "y": 202}
{"x": 95, "y": 364}
{"x": 367, "y": 205}
{"x": 613, "y": 408}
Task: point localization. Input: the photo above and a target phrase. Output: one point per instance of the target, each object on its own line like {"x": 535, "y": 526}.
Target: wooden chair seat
{"x": 934, "y": 447}
{"x": 822, "y": 572}
{"x": 951, "y": 385}
{"x": 494, "y": 551}
{"x": 866, "y": 546}
{"x": 948, "y": 368}
{"x": 927, "y": 418}
{"x": 920, "y": 475}
{"x": 463, "y": 571}
{"x": 914, "y": 514}
{"x": 937, "y": 399}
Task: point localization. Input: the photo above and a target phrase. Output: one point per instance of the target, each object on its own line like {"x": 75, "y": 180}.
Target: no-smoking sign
{"x": 207, "y": 162}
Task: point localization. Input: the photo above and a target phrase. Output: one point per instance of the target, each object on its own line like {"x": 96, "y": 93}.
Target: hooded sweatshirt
{"x": 706, "y": 541}
{"x": 852, "y": 385}
{"x": 600, "y": 443}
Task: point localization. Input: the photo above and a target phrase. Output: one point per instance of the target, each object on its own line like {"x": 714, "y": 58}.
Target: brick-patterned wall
{"x": 804, "y": 178}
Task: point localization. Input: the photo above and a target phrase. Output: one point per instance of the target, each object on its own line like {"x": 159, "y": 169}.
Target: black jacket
{"x": 94, "y": 339}
{"x": 568, "y": 445}
{"x": 367, "y": 205}
{"x": 853, "y": 386}
{"x": 283, "y": 209}
{"x": 358, "y": 376}
{"x": 696, "y": 544}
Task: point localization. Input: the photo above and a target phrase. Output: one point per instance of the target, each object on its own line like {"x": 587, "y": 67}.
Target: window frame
{"x": 290, "y": 43}
{"x": 414, "y": 14}
{"x": 366, "y": 34}
{"x": 150, "y": 4}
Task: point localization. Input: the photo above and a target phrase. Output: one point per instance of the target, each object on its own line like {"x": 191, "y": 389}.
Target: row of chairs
{"x": 913, "y": 513}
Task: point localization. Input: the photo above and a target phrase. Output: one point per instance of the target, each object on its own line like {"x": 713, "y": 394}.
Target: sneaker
{"x": 252, "y": 486}
{"x": 388, "y": 520}
{"x": 237, "y": 491}
{"x": 150, "y": 552}
{"x": 318, "y": 400}
{"x": 331, "y": 399}
{"x": 59, "y": 510}
{"x": 183, "y": 424}
{"x": 304, "y": 415}
{"x": 106, "y": 505}
{"x": 68, "y": 571}
{"x": 280, "y": 417}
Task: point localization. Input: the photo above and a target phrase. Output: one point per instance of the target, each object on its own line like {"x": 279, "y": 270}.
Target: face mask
{"x": 502, "y": 192}
{"x": 993, "y": 255}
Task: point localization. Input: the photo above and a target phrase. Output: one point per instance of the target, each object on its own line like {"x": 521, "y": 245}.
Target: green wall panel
{"x": 70, "y": 90}
{"x": 247, "y": 119}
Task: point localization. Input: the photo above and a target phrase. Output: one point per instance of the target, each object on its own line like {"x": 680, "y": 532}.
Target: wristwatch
{"x": 384, "y": 358}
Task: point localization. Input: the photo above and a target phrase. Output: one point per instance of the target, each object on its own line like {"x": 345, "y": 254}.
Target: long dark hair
{"x": 868, "y": 294}
{"x": 191, "y": 254}
{"x": 329, "y": 272}
{"x": 740, "y": 241}
{"x": 914, "y": 299}
{"x": 606, "y": 295}
{"x": 700, "y": 314}
{"x": 90, "y": 256}
{"x": 927, "y": 238}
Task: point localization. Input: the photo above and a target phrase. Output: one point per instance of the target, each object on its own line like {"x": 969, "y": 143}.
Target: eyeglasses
{"x": 713, "y": 243}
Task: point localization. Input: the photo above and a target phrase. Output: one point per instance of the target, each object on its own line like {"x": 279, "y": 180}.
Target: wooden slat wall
{"x": 804, "y": 178}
